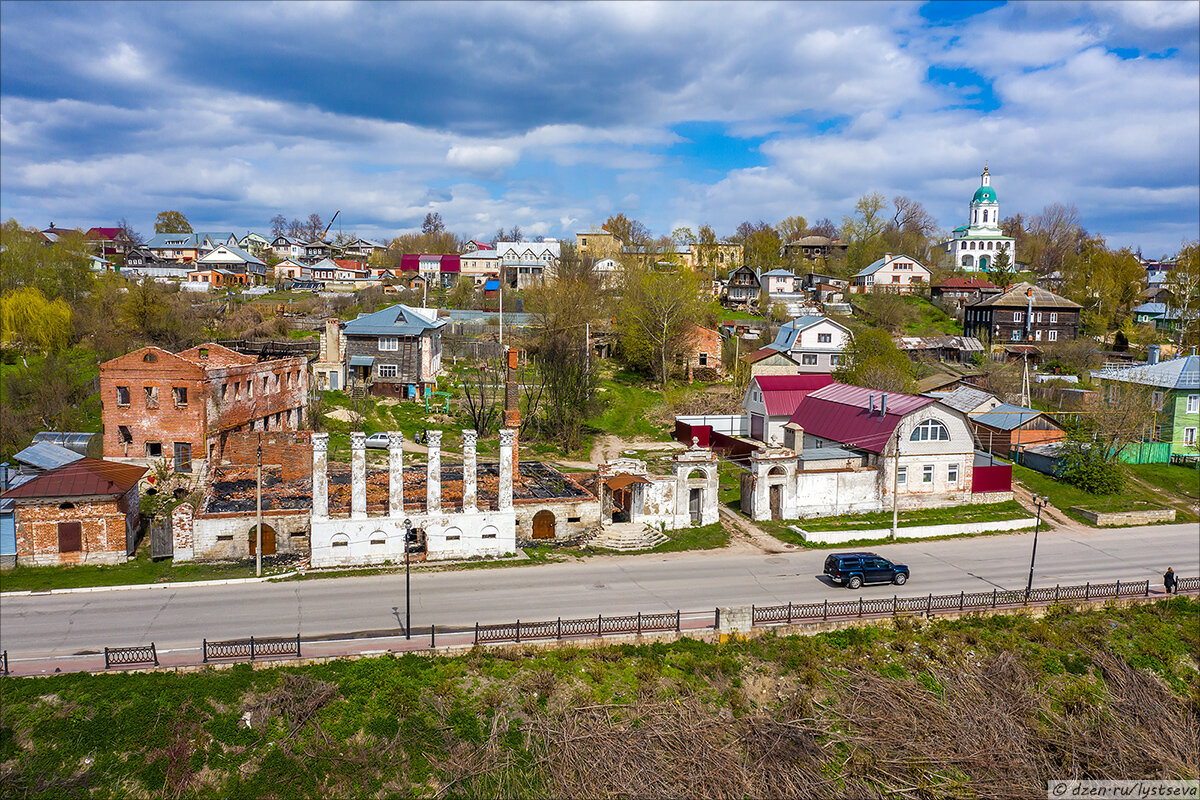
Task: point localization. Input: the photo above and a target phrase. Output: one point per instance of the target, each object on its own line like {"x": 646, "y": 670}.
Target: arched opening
{"x": 150, "y": 357}
{"x": 699, "y": 473}
{"x": 543, "y": 525}
{"x": 268, "y": 540}
{"x": 983, "y": 262}
{"x": 968, "y": 261}
{"x": 778, "y": 470}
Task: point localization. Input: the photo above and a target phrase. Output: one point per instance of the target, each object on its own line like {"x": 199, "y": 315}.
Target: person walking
{"x": 1169, "y": 581}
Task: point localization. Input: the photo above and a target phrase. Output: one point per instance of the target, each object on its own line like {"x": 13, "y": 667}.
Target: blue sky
{"x": 553, "y": 116}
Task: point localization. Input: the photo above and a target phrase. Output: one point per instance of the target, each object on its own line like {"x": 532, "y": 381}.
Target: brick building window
{"x": 70, "y": 537}
{"x": 183, "y": 457}
{"x": 704, "y": 359}
{"x": 952, "y": 473}
{"x": 153, "y": 449}
{"x": 927, "y": 473}
{"x": 123, "y": 396}
{"x": 151, "y": 396}
{"x": 124, "y": 436}
{"x": 266, "y": 378}
{"x": 180, "y": 393}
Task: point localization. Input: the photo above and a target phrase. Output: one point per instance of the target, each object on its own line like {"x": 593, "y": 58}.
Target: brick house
{"x": 702, "y": 353}
{"x": 84, "y": 512}
{"x": 156, "y": 404}
{"x": 396, "y": 352}
{"x": 1024, "y": 314}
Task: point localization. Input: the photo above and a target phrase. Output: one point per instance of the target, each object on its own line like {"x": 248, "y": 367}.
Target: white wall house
{"x": 892, "y": 273}
{"x": 814, "y": 342}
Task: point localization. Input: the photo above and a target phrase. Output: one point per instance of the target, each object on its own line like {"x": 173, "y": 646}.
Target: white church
{"x": 974, "y": 246}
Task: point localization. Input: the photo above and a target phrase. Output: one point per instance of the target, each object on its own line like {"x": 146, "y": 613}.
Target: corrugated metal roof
{"x": 1177, "y": 373}
{"x": 87, "y": 477}
{"x": 1006, "y": 416}
{"x": 965, "y": 399}
{"x": 782, "y": 393}
{"x": 841, "y": 413}
{"x": 45, "y": 455}
{"x": 398, "y": 320}
{"x": 1017, "y": 297}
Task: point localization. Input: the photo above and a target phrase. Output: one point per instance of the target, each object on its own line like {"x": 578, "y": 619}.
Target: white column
{"x": 433, "y": 478}
{"x": 358, "y": 475}
{"x": 320, "y": 478}
{"x": 395, "y": 474}
{"x": 469, "y": 488}
{"x": 506, "y": 469}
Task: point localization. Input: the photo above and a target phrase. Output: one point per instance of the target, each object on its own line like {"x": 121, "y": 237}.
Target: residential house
{"x": 702, "y": 353}
{"x": 236, "y": 260}
{"x": 475, "y": 245}
{"x": 1024, "y": 314}
{"x": 1175, "y": 398}
{"x": 814, "y": 342}
{"x": 317, "y": 250}
{"x": 1007, "y": 429}
{"x": 525, "y": 264}
{"x": 479, "y": 264}
{"x": 779, "y": 282}
{"x": 289, "y": 247}
{"x": 609, "y": 271}
{"x": 396, "y": 352}
{"x": 963, "y": 291}
{"x": 82, "y": 512}
{"x": 769, "y": 361}
{"x": 892, "y": 273}
{"x": 434, "y": 269}
{"x": 289, "y": 269}
{"x": 207, "y": 278}
{"x": 140, "y": 259}
{"x": 255, "y": 243}
{"x": 363, "y": 249}
{"x": 966, "y": 399}
{"x": 188, "y": 246}
{"x": 811, "y": 281}
{"x": 597, "y": 243}
{"x": 770, "y": 401}
{"x": 816, "y": 248}
{"x": 109, "y": 242}
{"x": 941, "y": 348}
{"x": 339, "y": 270}
{"x": 743, "y": 287}
{"x": 851, "y": 449}
{"x": 1163, "y": 316}
{"x": 181, "y": 406}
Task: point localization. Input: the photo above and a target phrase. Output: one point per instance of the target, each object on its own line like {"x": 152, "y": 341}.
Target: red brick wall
{"x": 167, "y": 423}
{"x": 103, "y": 530}
{"x": 291, "y": 450}
{"x": 231, "y": 405}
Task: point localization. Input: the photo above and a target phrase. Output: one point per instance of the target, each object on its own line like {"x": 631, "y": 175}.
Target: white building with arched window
{"x": 976, "y": 245}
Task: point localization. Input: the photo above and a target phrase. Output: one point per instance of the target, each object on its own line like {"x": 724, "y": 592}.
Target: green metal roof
{"x": 984, "y": 194}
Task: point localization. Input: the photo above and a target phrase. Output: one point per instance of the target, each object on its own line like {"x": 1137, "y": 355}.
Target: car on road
{"x": 377, "y": 440}
{"x": 855, "y": 569}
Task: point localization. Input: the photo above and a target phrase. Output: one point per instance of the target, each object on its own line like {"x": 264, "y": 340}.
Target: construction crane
{"x": 330, "y": 225}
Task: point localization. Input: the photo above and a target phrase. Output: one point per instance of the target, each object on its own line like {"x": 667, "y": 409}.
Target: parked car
{"x": 377, "y": 440}
{"x": 855, "y": 569}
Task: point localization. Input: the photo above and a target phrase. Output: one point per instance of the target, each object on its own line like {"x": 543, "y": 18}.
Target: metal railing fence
{"x": 252, "y": 648}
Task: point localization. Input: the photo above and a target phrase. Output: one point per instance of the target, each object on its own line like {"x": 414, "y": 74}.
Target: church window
{"x": 985, "y": 215}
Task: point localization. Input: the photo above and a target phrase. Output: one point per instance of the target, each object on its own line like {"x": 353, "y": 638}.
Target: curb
{"x": 131, "y": 586}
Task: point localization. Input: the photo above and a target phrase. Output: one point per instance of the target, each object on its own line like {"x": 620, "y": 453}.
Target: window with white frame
{"x": 1193, "y": 403}
{"x": 389, "y": 343}
{"x": 1053, "y": 316}
{"x": 388, "y": 370}
{"x": 1018, "y": 316}
{"x": 930, "y": 430}
{"x": 952, "y": 473}
{"x": 927, "y": 473}
{"x": 902, "y": 475}
{"x": 1052, "y": 336}
{"x": 1189, "y": 437}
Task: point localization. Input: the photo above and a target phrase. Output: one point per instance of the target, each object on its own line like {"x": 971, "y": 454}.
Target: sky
{"x": 553, "y": 116}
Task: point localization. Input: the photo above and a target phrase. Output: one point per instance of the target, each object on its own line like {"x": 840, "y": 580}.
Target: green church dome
{"x": 984, "y": 194}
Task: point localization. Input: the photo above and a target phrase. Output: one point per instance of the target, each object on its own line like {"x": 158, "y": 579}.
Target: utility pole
{"x": 259, "y": 522}
{"x": 501, "y": 309}
{"x": 896, "y": 486}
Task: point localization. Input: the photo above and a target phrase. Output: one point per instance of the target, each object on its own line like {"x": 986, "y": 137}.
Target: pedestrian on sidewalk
{"x": 1169, "y": 581}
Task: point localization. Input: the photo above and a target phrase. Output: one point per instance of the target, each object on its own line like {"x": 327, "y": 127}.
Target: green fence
{"x": 1147, "y": 453}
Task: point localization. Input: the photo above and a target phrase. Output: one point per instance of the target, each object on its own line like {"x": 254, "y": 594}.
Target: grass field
{"x": 1164, "y": 481}
{"x": 974, "y": 707}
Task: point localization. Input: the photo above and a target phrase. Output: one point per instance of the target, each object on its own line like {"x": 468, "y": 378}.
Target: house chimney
{"x": 468, "y": 471}
{"x": 871, "y": 400}
{"x": 1152, "y": 354}
{"x": 395, "y": 474}
{"x": 433, "y": 473}
{"x": 512, "y": 410}
{"x": 883, "y": 405}
{"x": 358, "y": 475}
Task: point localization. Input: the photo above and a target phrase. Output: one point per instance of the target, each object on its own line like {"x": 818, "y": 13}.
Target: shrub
{"x": 1090, "y": 469}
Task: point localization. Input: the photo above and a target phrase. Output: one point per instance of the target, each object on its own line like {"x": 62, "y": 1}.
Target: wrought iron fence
{"x": 120, "y": 656}
{"x": 963, "y": 601}
{"x": 252, "y": 648}
{"x": 599, "y": 625}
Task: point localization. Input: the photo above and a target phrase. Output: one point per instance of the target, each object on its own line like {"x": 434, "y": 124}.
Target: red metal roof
{"x": 102, "y": 233}
{"x": 87, "y": 477}
{"x": 410, "y": 262}
{"x": 782, "y": 393}
{"x": 841, "y": 413}
{"x": 966, "y": 283}
{"x": 450, "y": 263}
{"x": 346, "y": 263}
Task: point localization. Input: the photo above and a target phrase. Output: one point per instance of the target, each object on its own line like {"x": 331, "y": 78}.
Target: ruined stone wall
{"x": 572, "y": 518}
{"x": 291, "y": 450}
{"x": 227, "y": 536}
{"x": 102, "y": 525}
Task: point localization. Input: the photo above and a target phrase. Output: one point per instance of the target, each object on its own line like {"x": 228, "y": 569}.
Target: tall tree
{"x": 433, "y": 224}
{"x": 707, "y": 249}
{"x": 1184, "y": 284}
{"x": 872, "y": 359}
{"x": 172, "y": 222}
{"x": 31, "y": 323}
{"x": 864, "y": 231}
{"x": 761, "y": 244}
{"x": 824, "y": 227}
{"x": 279, "y": 225}
{"x": 683, "y": 237}
{"x": 792, "y": 228}
{"x": 629, "y": 231}
{"x": 313, "y": 227}
{"x": 136, "y": 238}
{"x": 657, "y": 311}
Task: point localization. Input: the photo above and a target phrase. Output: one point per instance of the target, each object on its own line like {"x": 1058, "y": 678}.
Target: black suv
{"x": 855, "y": 569}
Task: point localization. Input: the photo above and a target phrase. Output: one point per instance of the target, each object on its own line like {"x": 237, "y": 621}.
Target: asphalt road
{"x": 58, "y": 625}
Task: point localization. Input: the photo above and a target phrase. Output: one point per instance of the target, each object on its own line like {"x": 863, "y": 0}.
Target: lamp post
{"x": 258, "y": 523}
{"x": 407, "y": 595}
{"x": 1041, "y": 501}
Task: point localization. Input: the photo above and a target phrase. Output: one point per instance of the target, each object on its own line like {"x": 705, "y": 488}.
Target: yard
{"x": 1150, "y": 486}
{"x": 990, "y": 512}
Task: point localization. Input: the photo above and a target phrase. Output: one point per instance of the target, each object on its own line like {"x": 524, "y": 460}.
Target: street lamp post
{"x": 407, "y": 594}
{"x": 1041, "y": 501}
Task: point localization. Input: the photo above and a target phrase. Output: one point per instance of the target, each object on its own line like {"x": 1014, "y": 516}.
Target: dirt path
{"x": 1171, "y": 501}
{"x": 1050, "y": 513}
{"x": 747, "y": 533}
{"x": 607, "y": 447}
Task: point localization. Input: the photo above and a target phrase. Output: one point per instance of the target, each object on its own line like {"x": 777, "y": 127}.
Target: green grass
{"x": 988, "y": 512}
{"x": 706, "y": 537}
{"x": 736, "y": 315}
{"x": 478, "y": 722}
{"x": 929, "y": 320}
{"x": 628, "y": 404}
{"x": 1181, "y": 481}
{"x": 1132, "y": 498}
{"x": 140, "y": 570}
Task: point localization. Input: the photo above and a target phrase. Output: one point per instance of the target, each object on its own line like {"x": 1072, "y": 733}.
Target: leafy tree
{"x": 871, "y": 359}
{"x": 792, "y": 228}
{"x": 889, "y": 310}
{"x": 172, "y": 222}
{"x": 31, "y": 323}
{"x": 707, "y": 248}
{"x": 864, "y": 230}
{"x": 761, "y": 243}
{"x": 629, "y": 231}
{"x": 462, "y": 295}
{"x": 658, "y": 309}
{"x": 683, "y": 237}
{"x": 1084, "y": 465}
{"x": 1184, "y": 285}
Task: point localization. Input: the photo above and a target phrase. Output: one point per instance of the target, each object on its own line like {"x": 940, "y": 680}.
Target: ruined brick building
{"x": 182, "y": 406}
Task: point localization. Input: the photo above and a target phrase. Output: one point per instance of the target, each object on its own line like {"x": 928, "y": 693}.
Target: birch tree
{"x": 658, "y": 308}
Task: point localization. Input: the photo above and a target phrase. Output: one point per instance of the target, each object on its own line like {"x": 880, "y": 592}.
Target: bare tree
{"x": 484, "y": 392}
{"x": 278, "y": 225}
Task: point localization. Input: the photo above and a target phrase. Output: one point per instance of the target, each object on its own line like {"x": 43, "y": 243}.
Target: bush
{"x": 1090, "y": 469}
